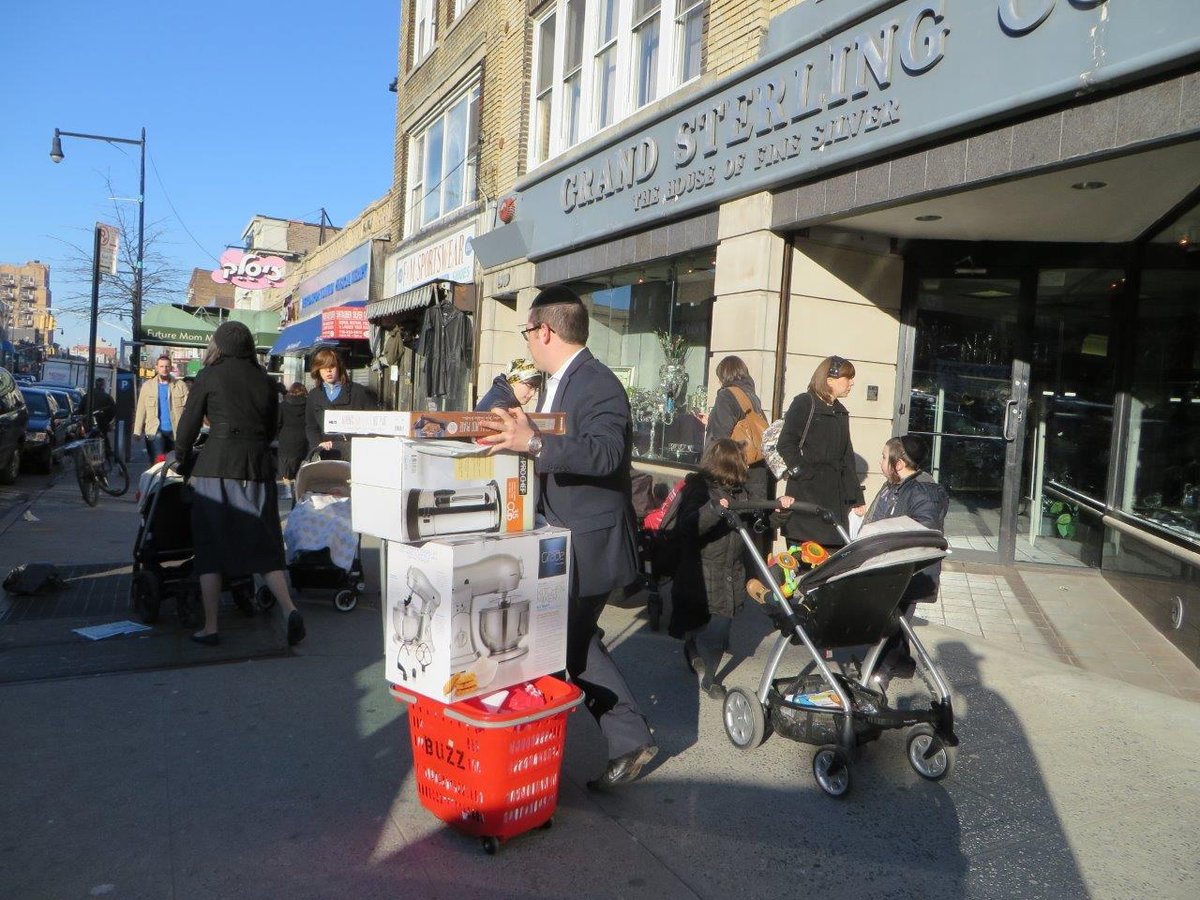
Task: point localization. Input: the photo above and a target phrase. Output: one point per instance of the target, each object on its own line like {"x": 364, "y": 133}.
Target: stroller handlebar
{"x": 745, "y": 506}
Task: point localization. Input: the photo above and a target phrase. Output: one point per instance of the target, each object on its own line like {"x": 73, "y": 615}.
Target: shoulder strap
{"x": 812, "y": 408}
{"x": 742, "y": 399}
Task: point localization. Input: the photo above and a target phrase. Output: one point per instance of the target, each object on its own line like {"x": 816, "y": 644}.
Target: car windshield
{"x": 38, "y": 404}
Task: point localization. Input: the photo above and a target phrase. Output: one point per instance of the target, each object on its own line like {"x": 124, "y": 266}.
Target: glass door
{"x": 968, "y": 398}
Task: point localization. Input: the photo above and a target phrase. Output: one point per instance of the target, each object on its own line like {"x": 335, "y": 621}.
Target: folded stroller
{"x": 323, "y": 550}
{"x": 851, "y": 600}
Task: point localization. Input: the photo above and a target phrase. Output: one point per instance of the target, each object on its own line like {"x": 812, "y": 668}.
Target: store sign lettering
{"x": 450, "y": 258}
{"x": 249, "y": 270}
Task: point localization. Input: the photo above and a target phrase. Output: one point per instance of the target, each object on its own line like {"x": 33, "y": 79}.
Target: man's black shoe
{"x": 624, "y": 768}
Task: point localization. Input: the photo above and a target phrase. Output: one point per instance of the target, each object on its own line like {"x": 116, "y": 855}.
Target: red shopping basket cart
{"x": 490, "y": 775}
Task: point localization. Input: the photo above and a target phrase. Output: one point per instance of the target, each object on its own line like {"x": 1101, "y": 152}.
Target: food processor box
{"x": 426, "y": 425}
{"x": 406, "y": 490}
{"x": 446, "y": 602}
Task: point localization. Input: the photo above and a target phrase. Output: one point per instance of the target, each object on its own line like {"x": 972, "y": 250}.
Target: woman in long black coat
{"x": 333, "y": 390}
{"x": 293, "y": 440}
{"x": 821, "y": 464}
{"x": 235, "y": 507}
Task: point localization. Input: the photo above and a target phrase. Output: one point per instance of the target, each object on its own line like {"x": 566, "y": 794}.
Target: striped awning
{"x": 417, "y": 298}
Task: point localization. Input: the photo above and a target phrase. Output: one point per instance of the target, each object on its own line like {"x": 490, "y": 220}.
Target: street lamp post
{"x": 56, "y": 154}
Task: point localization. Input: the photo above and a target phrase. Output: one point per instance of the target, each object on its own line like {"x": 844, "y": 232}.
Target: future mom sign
{"x": 882, "y": 76}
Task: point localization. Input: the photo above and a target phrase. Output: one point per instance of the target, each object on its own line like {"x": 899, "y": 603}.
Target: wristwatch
{"x": 535, "y": 446}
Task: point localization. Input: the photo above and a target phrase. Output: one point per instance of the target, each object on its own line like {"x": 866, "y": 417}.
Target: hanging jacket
{"x": 446, "y": 344}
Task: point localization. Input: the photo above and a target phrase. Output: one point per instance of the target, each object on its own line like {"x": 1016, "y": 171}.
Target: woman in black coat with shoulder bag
{"x": 815, "y": 443}
{"x": 333, "y": 390}
{"x": 235, "y": 506}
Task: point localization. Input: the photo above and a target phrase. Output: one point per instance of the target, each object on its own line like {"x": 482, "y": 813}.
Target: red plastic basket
{"x": 492, "y": 775}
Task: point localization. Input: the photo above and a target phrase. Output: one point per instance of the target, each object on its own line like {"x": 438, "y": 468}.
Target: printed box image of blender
{"x": 431, "y": 514}
{"x": 411, "y": 626}
{"x": 476, "y": 623}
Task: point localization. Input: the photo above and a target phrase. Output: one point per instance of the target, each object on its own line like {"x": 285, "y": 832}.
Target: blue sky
{"x": 278, "y": 108}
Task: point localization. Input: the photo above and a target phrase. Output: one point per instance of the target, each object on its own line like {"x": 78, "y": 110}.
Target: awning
{"x": 263, "y": 324}
{"x": 417, "y": 298}
{"x": 299, "y": 339}
{"x": 171, "y": 326}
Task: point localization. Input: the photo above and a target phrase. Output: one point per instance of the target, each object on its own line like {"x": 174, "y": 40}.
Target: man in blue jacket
{"x": 585, "y": 487}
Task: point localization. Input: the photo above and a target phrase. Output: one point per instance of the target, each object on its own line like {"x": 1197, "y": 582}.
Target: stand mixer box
{"x": 426, "y": 425}
{"x": 406, "y": 490}
{"x": 470, "y": 615}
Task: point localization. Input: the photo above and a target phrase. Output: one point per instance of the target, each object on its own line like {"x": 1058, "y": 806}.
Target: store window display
{"x": 652, "y": 327}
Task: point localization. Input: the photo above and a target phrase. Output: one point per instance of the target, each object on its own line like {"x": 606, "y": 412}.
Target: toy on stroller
{"x": 322, "y": 548}
{"x": 163, "y": 552}
{"x": 851, "y": 599}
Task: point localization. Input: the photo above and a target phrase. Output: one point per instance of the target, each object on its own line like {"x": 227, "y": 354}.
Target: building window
{"x": 629, "y": 318}
{"x": 425, "y": 29}
{"x": 460, "y": 7}
{"x": 689, "y": 35}
{"x": 645, "y": 42}
{"x": 441, "y": 168}
{"x": 571, "y": 100}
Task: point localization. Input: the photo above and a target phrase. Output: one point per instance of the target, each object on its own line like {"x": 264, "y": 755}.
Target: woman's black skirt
{"x": 235, "y": 527}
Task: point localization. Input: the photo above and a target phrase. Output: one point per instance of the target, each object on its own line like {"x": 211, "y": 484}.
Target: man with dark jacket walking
{"x": 586, "y": 488}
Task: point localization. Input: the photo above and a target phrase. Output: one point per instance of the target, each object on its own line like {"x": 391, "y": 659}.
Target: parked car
{"x": 69, "y": 398}
{"x": 48, "y": 427}
{"x": 13, "y": 420}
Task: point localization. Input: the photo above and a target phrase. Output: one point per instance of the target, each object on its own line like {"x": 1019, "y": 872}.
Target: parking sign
{"x": 110, "y": 243}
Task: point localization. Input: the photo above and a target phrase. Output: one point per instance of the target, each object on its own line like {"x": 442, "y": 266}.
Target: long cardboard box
{"x": 432, "y": 425}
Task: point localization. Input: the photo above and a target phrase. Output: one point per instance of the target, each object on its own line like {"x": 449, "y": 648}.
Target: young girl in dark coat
{"x": 293, "y": 442}
{"x": 709, "y": 587}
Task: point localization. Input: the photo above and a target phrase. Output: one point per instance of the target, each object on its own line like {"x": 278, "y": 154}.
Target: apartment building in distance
{"x": 204, "y": 291}
{"x": 26, "y": 316}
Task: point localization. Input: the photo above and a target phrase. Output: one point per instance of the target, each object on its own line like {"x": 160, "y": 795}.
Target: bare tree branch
{"x": 162, "y": 280}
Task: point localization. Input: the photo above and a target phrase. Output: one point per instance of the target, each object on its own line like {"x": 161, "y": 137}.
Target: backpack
{"x": 748, "y": 431}
{"x": 32, "y": 579}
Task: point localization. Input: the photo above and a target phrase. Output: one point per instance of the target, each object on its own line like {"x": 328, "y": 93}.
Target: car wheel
{"x": 46, "y": 461}
{"x": 10, "y": 472}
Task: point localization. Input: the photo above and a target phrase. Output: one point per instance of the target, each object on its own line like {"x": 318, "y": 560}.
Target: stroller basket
{"x": 800, "y": 722}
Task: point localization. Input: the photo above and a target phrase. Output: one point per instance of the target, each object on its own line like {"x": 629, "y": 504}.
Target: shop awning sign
{"x": 249, "y": 271}
{"x": 450, "y": 258}
{"x": 345, "y": 323}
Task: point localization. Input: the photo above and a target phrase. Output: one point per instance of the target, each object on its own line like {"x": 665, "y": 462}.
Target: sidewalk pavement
{"x": 291, "y": 776}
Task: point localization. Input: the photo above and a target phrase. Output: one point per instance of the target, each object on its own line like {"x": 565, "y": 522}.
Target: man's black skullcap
{"x": 559, "y": 293}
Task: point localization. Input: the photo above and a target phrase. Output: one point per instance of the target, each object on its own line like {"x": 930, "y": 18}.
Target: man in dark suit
{"x": 585, "y": 487}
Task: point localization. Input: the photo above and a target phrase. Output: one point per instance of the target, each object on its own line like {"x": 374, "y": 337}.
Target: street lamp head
{"x": 56, "y": 153}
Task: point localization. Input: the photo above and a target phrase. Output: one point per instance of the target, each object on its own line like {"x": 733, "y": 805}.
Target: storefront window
{"x": 1162, "y": 476}
{"x": 652, "y": 328}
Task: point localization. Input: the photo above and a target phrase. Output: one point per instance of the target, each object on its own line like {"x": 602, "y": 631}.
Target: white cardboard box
{"x": 425, "y": 425}
{"x": 406, "y": 490}
{"x": 471, "y": 615}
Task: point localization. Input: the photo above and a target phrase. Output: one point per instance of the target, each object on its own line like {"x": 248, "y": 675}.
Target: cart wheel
{"x": 360, "y": 587}
{"x": 548, "y": 824}
{"x": 831, "y": 768}
{"x": 264, "y": 598}
{"x": 745, "y": 719}
{"x": 491, "y": 845}
{"x": 243, "y": 598}
{"x": 345, "y": 601}
{"x": 146, "y": 597}
{"x": 928, "y": 754}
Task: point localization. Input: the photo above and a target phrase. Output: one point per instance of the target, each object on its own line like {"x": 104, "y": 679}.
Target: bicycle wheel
{"x": 87, "y": 480}
{"x": 114, "y": 477}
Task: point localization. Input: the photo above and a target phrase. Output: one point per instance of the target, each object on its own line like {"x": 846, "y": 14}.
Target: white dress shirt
{"x": 545, "y": 405}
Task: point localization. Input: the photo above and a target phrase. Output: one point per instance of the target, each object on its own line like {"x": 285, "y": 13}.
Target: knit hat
{"x": 521, "y": 369}
{"x": 234, "y": 339}
{"x": 559, "y": 293}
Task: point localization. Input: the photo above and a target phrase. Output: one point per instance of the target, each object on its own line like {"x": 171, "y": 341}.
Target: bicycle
{"x": 97, "y": 468}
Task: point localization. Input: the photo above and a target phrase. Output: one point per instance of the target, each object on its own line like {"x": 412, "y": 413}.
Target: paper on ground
{"x": 98, "y": 632}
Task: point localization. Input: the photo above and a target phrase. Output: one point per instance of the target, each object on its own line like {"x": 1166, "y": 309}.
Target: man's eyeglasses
{"x": 836, "y": 364}
{"x": 524, "y": 332}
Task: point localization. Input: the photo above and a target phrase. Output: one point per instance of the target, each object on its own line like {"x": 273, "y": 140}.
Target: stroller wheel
{"x": 146, "y": 596}
{"x": 264, "y": 598}
{"x": 831, "y": 768}
{"x": 745, "y": 719}
{"x": 345, "y": 601}
{"x": 928, "y": 754}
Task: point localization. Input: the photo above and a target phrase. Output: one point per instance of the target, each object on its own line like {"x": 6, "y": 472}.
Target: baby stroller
{"x": 323, "y": 551}
{"x": 851, "y": 600}
{"x": 163, "y": 552}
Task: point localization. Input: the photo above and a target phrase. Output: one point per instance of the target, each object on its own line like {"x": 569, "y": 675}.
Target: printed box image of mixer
{"x": 467, "y": 614}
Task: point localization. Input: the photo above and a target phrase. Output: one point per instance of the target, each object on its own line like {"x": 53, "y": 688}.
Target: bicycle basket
{"x": 93, "y": 451}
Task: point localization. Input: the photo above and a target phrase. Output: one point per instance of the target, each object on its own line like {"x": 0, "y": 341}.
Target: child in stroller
{"x": 322, "y": 549}
{"x": 851, "y": 599}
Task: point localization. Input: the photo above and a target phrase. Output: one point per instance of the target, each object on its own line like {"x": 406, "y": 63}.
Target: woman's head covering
{"x": 521, "y": 369}
{"x": 234, "y": 339}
